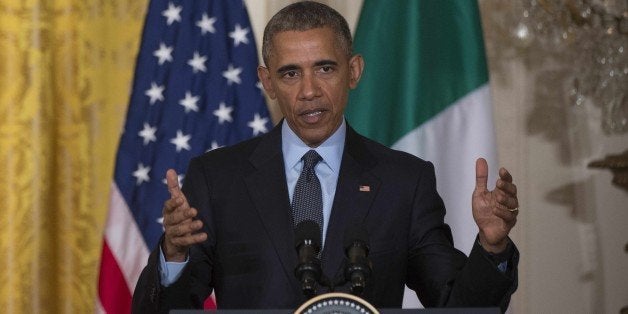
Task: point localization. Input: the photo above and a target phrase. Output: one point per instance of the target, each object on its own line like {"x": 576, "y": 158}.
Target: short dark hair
{"x": 303, "y": 16}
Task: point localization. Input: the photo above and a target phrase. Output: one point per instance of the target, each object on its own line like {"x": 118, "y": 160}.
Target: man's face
{"x": 310, "y": 76}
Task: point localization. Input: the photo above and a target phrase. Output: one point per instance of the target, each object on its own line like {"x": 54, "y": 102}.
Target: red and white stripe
{"x": 124, "y": 255}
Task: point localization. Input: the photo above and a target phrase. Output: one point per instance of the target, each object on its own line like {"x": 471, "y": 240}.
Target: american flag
{"x": 195, "y": 89}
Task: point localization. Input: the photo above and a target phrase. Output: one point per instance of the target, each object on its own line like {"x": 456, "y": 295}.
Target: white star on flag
{"x": 148, "y": 134}
{"x": 198, "y": 62}
{"x": 173, "y": 13}
{"x": 224, "y": 113}
{"x": 164, "y": 53}
{"x": 179, "y": 180}
{"x": 258, "y": 125}
{"x": 189, "y": 102}
{"x": 181, "y": 141}
{"x": 155, "y": 92}
{"x": 232, "y": 75}
{"x": 214, "y": 146}
{"x": 239, "y": 35}
{"x": 206, "y": 24}
{"x": 141, "y": 174}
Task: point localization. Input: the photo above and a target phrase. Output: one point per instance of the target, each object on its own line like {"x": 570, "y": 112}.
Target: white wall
{"x": 572, "y": 225}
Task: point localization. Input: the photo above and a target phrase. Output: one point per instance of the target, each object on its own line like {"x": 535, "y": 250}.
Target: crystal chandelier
{"x": 578, "y": 47}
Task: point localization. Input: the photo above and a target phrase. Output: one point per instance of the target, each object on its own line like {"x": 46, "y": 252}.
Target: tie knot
{"x": 310, "y": 159}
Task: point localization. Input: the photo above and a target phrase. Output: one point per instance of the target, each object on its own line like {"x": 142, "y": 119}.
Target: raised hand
{"x": 179, "y": 223}
{"x": 495, "y": 212}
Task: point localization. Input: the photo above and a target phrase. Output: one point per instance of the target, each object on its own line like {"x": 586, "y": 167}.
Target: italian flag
{"x": 425, "y": 90}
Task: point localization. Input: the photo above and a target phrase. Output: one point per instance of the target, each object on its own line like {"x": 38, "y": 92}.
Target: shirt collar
{"x": 330, "y": 150}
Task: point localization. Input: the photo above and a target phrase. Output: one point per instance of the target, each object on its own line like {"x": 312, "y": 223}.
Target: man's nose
{"x": 309, "y": 88}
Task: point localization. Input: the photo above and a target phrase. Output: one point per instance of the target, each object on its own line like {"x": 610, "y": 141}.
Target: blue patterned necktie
{"x": 307, "y": 200}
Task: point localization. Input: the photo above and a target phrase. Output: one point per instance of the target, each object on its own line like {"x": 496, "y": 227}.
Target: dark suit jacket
{"x": 249, "y": 257}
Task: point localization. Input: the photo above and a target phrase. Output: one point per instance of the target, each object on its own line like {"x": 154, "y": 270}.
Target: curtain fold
{"x": 65, "y": 75}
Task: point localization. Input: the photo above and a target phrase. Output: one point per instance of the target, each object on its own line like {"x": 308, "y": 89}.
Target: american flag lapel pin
{"x": 365, "y": 188}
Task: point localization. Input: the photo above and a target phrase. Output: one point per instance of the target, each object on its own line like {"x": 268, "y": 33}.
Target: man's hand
{"x": 495, "y": 212}
{"x": 179, "y": 223}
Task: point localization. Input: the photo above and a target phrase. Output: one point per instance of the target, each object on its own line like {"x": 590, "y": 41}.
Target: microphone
{"x": 308, "y": 245}
{"x": 359, "y": 268}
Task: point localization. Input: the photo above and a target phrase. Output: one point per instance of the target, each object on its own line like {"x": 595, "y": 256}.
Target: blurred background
{"x": 559, "y": 82}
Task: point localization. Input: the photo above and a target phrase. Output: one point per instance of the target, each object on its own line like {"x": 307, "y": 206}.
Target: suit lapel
{"x": 355, "y": 191}
{"x": 268, "y": 190}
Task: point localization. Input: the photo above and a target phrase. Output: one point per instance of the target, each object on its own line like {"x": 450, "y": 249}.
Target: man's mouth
{"x": 312, "y": 113}
{"x": 312, "y": 116}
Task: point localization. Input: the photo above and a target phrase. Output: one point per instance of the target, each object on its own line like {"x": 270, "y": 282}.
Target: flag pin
{"x": 365, "y": 188}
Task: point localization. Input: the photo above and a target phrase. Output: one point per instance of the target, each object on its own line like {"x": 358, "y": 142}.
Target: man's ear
{"x": 264, "y": 76}
{"x": 356, "y": 66}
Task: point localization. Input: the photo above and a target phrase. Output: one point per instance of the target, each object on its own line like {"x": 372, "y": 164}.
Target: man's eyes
{"x": 294, "y": 73}
{"x": 326, "y": 69}
{"x": 290, "y": 74}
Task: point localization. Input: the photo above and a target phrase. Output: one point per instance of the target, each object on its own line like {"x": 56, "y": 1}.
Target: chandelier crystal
{"x": 581, "y": 46}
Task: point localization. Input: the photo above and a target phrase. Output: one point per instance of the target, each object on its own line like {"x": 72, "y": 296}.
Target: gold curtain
{"x": 66, "y": 68}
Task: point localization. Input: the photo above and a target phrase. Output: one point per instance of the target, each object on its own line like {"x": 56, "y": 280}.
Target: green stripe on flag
{"x": 421, "y": 56}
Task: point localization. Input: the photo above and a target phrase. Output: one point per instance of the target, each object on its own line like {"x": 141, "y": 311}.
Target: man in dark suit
{"x": 231, "y": 229}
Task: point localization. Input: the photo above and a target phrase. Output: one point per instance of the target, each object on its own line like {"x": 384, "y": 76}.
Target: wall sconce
{"x": 618, "y": 164}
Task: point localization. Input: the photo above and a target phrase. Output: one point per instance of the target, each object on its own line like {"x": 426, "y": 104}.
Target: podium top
{"x": 492, "y": 310}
